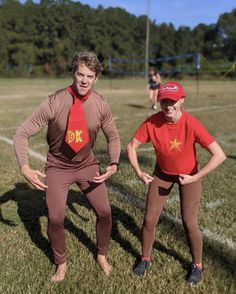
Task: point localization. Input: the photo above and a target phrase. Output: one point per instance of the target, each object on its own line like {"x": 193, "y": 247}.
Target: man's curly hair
{"x": 89, "y": 59}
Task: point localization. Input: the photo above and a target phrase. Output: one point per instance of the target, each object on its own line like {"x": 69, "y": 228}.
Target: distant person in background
{"x": 174, "y": 133}
{"x": 73, "y": 115}
{"x": 46, "y": 69}
{"x": 154, "y": 82}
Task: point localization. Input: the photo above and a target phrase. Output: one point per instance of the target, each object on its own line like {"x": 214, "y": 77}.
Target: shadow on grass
{"x": 231, "y": 157}
{"x": 136, "y": 106}
{"x": 220, "y": 254}
{"x": 31, "y": 206}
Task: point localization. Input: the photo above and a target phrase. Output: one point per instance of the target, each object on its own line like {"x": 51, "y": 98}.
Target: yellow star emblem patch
{"x": 175, "y": 144}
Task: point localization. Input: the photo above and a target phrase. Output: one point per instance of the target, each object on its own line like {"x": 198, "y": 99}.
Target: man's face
{"x": 84, "y": 79}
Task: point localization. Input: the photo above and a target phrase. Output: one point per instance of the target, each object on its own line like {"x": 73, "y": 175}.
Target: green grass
{"x": 26, "y": 261}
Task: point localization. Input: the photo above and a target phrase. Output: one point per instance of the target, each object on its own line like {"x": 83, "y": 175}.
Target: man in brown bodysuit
{"x": 70, "y": 158}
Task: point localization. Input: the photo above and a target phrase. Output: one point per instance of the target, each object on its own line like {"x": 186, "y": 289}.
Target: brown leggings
{"x": 158, "y": 194}
{"x": 59, "y": 181}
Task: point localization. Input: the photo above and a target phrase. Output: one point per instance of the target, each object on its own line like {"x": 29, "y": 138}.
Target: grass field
{"x": 26, "y": 261}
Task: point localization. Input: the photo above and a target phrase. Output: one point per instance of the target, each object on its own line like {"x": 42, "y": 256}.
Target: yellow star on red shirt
{"x": 175, "y": 144}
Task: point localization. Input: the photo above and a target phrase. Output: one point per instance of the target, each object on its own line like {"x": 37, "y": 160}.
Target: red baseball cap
{"x": 171, "y": 90}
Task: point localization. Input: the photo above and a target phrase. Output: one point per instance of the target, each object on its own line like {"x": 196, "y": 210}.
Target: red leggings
{"x": 59, "y": 181}
{"x": 158, "y": 194}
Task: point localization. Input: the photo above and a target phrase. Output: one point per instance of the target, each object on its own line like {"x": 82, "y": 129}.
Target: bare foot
{"x": 107, "y": 268}
{"x": 60, "y": 273}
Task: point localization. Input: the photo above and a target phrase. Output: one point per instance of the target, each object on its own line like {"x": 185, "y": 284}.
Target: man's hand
{"x": 32, "y": 176}
{"x": 110, "y": 170}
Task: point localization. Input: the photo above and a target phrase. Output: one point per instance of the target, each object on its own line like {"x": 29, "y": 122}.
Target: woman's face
{"x": 151, "y": 72}
{"x": 172, "y": 109}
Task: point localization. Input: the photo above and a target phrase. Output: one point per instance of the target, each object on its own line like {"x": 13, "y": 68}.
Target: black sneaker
{"x": 141, "y": 268}
{"x": 195, "y": 276}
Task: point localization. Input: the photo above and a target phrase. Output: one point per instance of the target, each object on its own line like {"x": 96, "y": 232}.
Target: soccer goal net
{"x": 166, "y": 66}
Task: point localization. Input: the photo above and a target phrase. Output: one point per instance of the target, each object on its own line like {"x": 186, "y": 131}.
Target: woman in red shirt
{"x": 174, "y": 133}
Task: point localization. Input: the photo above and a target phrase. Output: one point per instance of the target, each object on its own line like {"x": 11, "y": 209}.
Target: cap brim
{"x": 171, "y": 98}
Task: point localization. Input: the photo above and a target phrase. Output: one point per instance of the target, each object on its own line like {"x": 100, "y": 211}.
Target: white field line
{"x": 30, "y": 151}
{"x": 8, "y": 128}
{"x": 40, "y": 145}
{"x": 12, "y": 96}
{"x": 139, "y": 203}
{"x": 16, "y": 110}
{"x": 214, "y": 204}
{"x": 20, "y": 96}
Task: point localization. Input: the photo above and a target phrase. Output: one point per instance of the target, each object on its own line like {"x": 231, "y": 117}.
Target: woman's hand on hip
{"x": 145, "y": 178}
{"x": 187, "y": 179}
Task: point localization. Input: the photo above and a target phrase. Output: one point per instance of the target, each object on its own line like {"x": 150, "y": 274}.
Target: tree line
{"x": 37, "y": 39}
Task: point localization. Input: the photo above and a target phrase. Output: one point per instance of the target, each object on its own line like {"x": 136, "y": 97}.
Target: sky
{"x": 178, "y": 12}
